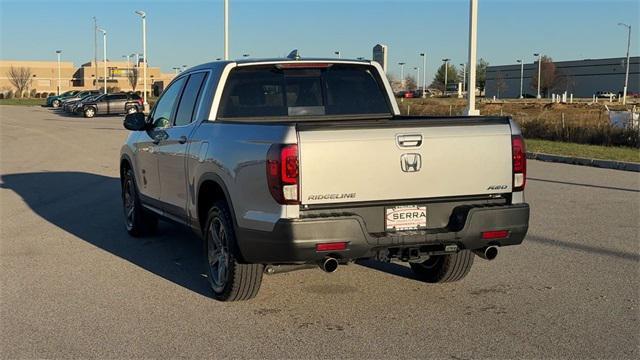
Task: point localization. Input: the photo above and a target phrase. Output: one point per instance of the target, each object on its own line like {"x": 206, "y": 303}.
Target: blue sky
{"x": 190, "y": 31}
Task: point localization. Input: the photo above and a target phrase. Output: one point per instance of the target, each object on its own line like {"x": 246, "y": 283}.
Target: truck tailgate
{"x": 404, "y": 160}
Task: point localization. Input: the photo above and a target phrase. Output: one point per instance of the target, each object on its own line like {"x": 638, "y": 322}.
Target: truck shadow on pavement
{"x": 89, "y": 207}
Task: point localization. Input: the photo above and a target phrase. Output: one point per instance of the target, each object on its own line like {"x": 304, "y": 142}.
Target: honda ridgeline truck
{"x": 288, "y": 163}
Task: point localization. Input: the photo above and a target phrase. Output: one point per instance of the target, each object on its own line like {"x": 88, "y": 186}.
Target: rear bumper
{"x": 294, "y": 240}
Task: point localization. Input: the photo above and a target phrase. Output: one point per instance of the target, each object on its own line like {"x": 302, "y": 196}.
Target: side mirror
{"x": 135, "y": 122}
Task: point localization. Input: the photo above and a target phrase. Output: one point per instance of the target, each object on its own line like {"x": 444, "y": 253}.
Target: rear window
{"x": 269, "y": 91}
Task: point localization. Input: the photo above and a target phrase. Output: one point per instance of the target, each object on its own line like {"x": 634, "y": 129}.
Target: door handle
{"x": 182, "y": 139}
{"x": 413, "y": 140}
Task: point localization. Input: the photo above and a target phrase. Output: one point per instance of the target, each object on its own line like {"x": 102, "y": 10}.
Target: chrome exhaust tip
{"x": 488, "y": 253}
{"x": 329, "y": 265}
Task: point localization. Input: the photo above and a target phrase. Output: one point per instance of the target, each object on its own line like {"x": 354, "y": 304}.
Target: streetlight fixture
{"x": 176, "y": 68}
{"x": 184, "y": 67}
{"x": 104, "y": 56}
{"x": 58, "y": 52}
{"x": 144, "y": 59}
{"x": 424, "y": 74}
{"x": 446, "y": 73}
{"x": 401, "y": 74}
{"x": 338, "y": 54}
{"x": 464, "y": 76}
{"x": 360, "y": 58}
{"x": 521, "y": 76}
{"x": 626, "y": 76}
{"x": 539, "y": 72}
{"x": 246, "y": 55}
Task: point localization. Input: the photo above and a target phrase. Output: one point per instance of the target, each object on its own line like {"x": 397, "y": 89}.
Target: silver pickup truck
{"x": 290, "y": 163}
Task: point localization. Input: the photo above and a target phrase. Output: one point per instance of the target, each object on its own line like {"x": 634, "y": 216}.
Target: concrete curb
{"x": 607, "y": 164}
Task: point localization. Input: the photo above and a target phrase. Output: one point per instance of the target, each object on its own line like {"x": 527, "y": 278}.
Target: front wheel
{"x": 230, "y": 280}
{"x": 444, "y": 268}
{"x": 138, "y": 221}
{"x": 56, "y": 103}
{"x": 89, "y": 112}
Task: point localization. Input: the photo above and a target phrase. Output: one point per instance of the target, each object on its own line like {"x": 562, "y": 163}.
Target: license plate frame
{"x": 405, "y": 217}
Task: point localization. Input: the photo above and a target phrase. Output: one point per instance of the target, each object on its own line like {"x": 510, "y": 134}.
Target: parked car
{"x": 111, "y": 104}
{"x": 54, "y": 101}
{"x": 70, "y": 101}
{"x": 281, "y": 165}
{"x": 607, "y": 94}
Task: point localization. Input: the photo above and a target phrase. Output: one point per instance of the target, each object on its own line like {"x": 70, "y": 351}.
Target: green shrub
{"x": 33, "y": 93}
{"x": 9, "y": 94}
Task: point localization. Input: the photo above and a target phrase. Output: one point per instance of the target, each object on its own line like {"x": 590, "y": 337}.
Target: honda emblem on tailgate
{"x": 411, "y": 162}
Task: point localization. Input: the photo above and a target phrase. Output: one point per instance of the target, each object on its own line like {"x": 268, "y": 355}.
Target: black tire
{"x": 138, "y": 221}
{"x": 444, "y": 268}
{"x": 55, "y": 103}
{"x": 89, "y": 112}
{"x": 230, "y": 279}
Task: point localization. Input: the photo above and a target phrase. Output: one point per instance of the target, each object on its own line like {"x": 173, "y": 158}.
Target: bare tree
{"x": 20, "y": 78}
{"x": 501, "y": 84}
{"x": 548, "y": 76}
{"x": 410, "y": 83}
{"x": 132, "y": 75}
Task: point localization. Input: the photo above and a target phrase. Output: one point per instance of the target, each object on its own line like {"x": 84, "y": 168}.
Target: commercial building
{"x": 582, "y": 78}
{"x": 122, "y": 75}
{"x": 380, "y": 55}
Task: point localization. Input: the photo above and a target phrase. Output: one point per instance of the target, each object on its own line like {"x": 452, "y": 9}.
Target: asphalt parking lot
{"x": 74, "y": 284}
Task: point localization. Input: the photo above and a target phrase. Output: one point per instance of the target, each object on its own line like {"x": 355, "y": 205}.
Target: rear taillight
{"x": 140, "y": 101}
{"x": 282, "y": 173}
{"x": 495, "y": 234}
{"x": 519, "y": 154}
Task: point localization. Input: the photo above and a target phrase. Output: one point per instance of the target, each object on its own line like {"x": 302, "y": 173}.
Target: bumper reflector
{"x": 333, "y": 246}
{"x": 495, "y": 234}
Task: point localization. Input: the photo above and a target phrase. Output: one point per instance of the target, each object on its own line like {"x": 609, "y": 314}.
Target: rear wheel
{"x": 56, "y": 103}
{"x": 444, "y": 268}
{"x": 138, "y": 220}
{"x": 230, "y": 280}
{"x": 132, "y": 110}
{"x": 89, "y": 112}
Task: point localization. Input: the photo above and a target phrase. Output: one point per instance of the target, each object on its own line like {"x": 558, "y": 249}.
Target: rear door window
{"x": 326, "y": 90}
{"x": 187, "y": 105}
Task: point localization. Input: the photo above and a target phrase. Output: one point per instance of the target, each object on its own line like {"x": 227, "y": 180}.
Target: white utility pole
{"x": 521, "y": 76}
{"x": 473, "y": 48}
{"x": 464, "y": 76}
{"x": 539, "y": 73}
{"x": 58, "y": 52}
{"x": 104, "y": 56}
{"x": 144, "y": 59}
{"x": 446, "y": 73}
{"x": 424, "y": 74}
{"x": 626, "y": 76}
{"x": 401, "y": 74}
{"x": 417, "y": 69}
{"x": 226, "y": 29}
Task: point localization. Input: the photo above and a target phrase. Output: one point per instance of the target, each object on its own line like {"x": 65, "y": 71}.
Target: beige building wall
{"x": 45, "y": 76}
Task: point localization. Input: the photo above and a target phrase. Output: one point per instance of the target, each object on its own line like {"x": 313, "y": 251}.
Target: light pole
{"x": 337, "y": 53}
{"x": 539, "y": 72}
{"x": 58, "y": 52}
{"x": 417, "y": 69}
{"x": 446, "y": 72}
{"x": 95, "y": 50}
{"x": 144, "y": 59}
{"x": 184, "y": 67}
{"x": 521, "y": 76}
{"x": 424, "y": 74}
{"x": 401, "y": 74}
{"x": 473, "y": 48}
{"x": 464, "y": 76}
{"x": 176, "y": 68}
{"x": 104, "y": 56}
{"x": 626, "y": 76}
{"x": 226, "y": 29}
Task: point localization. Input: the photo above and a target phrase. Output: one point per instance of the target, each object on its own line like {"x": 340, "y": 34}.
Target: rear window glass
{"x": 268, "y": 91}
